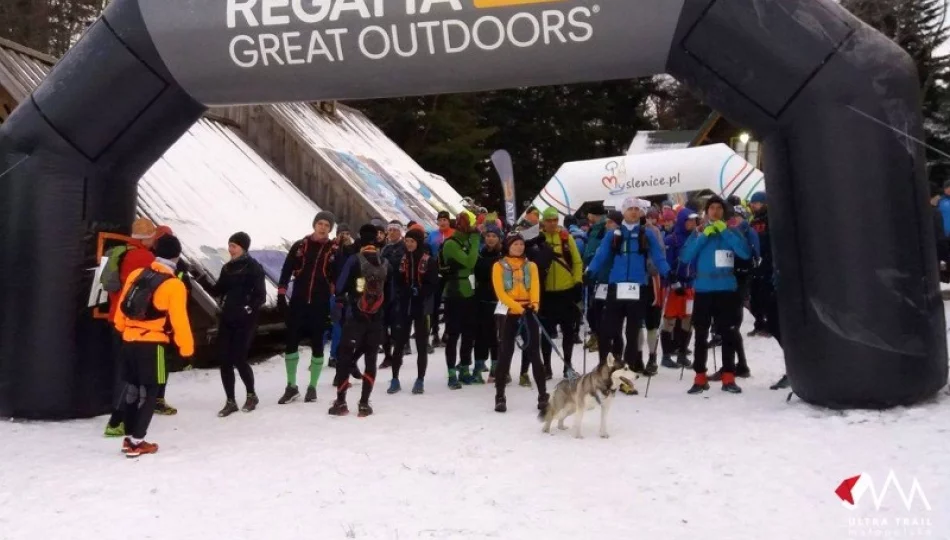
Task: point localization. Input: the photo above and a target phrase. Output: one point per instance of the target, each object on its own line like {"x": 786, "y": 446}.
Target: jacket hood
{"x": 679, "y": 229}
{"x": 372, "y": 255}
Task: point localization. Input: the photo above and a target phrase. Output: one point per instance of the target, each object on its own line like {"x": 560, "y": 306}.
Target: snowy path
{"x": 447, "y": 466}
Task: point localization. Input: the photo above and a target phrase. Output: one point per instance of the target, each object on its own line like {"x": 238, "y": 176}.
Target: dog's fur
{"x": 574, "y": 396}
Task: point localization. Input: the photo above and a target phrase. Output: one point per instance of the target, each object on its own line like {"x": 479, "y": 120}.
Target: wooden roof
{"x": 22, "y": 69}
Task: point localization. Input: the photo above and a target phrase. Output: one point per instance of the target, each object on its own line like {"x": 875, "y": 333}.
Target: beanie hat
{"x": 615, "y": 216}
{"x": 512, "y": 238}
{"x": 653, "y": 213}
{"x": 492, "y": 228}
{"x": 532, "y": 210}
{"x": 323, "y": 215}
{"x": 143, "y": 229}
{"x": 758, "y": 197}
{"x": 668, "y": 215}
{"x": 596, "y": 208}
{"x": 167, "y": 247}
{"x": 667, "y": 204}
{"x": 628, "y": 203}
{"x": 715, "y": 199}
{"x": 162, "y": 231}
{"x": 444, "y": 215}
{"x": 417, "y": 235}
{"x": 417, "y": 227}
{"x": 734, "y": 200}
{"x": 342, "y": 228}
{"x": 550, "y": 213}
{"x": 467, "y": 216}
{"x": 394, "y": 224}
{"x": 242, "y": 239}
{"x": 367, "y": 234}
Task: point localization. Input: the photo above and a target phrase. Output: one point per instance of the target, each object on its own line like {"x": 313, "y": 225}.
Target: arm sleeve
{"x": 658, "y": 256}
{"x": 578, "y": 266}
{"x": 287, "y": 268}
{"x": 178, "y": 317}
{"x": 754, "y": 241}
{"x": 471, "y": 258}
{"x": 220, "y": 287}
{"x": 343, "y": 277}
{"x": 536, "y": 290}
{"x": 260, "y": 288}
{"x": 737, "y": 243}
{"x": 498, "y": 283}
{"x": 692, "y": 248}
{"x": 600, "y": 257}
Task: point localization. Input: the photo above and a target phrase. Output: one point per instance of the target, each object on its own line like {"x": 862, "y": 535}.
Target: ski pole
{"x": 586, "y": 329}
{"x": 646, "y": 394}
{"x": 553, "y": 345}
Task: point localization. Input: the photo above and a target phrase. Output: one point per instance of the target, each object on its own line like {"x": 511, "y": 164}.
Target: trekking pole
{"x": 586, "y": 330}
{"x": 554, "y": 347}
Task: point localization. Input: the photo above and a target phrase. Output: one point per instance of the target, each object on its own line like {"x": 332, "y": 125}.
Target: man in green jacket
{"x": 562, "y": 293}
{"x": 456, "y": 264}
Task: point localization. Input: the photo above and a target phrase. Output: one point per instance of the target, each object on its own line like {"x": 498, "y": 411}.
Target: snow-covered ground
{"x": 445, "y": 465}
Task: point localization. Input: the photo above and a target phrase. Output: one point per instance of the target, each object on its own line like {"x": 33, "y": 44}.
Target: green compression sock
{"x": 290, "y": 362}
{"x": 316, "y": 366}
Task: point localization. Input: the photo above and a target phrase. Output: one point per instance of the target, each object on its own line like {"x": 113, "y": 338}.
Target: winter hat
{"x": 444, "y": 215}
{"x": 668, "y": 215}
{"x": 734, "y": 201}
{"x": 628, "y": 203}
{"x": 367, "y": 234}
{"x": 653, "y": 213}
{"x": 492, "y": 228}
{"x": 167, "y": 247}
{"x": 512, "y": 238}
{"x": 532, "y": 210}
{"x": 241, "y": 239}
{"x": 467, "y": 216}
{"x": 143, "y": 229}
{"x": 667, "y": 204}
{"x": 716, "y": 199}
{"x": 394, "y": 224}
{"x": 417, "y": 227}
{"x": 416, "y": 235}
{"x": 740, "y": 211}
{"x": 550, "y": 213}
{"x": 615, "y": 216}
{"x": 379, "y": 223}
{"x": 342, "y": 228}
{"x": 759, "y": 197}
{"x": 323, "y": 215}
{"x": 596, "y": 208}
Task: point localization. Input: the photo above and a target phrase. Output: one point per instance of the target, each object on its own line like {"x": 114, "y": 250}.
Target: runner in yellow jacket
{"x": 563, "y": 290}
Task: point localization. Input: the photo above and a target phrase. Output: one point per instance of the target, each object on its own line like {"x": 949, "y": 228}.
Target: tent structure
{"x": 862, "y": 318}
{"x": 715, "y": 167}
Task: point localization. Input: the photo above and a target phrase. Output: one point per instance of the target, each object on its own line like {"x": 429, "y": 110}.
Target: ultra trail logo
{"x": 852, "y": 491}
{"x": 340, "y": 29}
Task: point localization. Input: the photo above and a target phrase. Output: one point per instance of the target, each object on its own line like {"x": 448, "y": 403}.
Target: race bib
{"x": 628, "y": 291}
{"x": 725, "y": 258}
{"x": 600, "y": 293}
{"x": 501, "y": 309}
{"x": 689, "y": 307}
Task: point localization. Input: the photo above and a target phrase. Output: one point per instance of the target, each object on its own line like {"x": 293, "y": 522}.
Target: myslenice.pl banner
{"x": 298, "y": 50}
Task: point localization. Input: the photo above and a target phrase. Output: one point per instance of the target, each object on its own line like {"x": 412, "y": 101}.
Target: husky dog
{"x": 572, "y": 396}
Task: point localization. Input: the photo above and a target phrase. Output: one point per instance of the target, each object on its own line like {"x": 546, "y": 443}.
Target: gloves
{"x": 720, "y": 226}
{"x": 415, "y": 291}
{"x": 710, "y": 230}
{"x": 282, "y": 305}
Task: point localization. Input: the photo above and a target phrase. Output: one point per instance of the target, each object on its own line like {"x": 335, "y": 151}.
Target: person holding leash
{"x": 629, "y": 291}
{"x": 518, "y": 286}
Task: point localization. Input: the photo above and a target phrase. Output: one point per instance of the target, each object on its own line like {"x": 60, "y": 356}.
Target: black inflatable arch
{"x": 854, "y": 245}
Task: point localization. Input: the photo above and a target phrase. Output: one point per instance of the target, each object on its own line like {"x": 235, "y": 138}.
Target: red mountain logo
{"x": 852, "y": 490}
{"x": 844, "y": 489}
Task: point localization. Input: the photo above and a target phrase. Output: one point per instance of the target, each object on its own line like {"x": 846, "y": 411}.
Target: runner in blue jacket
{"x": 713, "y": 252}
{"x": 628, "y": 293}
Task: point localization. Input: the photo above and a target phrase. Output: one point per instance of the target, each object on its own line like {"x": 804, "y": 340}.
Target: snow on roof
{"x": 374, "y": 166}
{"x": 646, "y": 142}
{"x": 210, "y": 185}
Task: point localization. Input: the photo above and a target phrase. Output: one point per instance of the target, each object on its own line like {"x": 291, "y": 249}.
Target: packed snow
{"x": 445, "y": 465}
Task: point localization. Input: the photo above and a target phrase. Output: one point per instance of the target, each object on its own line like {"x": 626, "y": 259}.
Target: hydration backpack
{"x": 508, "y": 273}
{"x": 110, "y": 278}
{"x": 138, "y": 304}
{"x": 374, "y": 285}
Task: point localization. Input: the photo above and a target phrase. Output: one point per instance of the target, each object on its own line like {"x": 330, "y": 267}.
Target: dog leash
{"x": 572, "y": 374}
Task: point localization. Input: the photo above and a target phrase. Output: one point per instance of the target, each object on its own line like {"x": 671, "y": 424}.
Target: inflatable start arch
{"x": 860, "y": 304}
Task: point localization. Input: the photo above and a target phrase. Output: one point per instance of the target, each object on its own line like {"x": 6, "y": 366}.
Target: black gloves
{"x": 282, "y": 305}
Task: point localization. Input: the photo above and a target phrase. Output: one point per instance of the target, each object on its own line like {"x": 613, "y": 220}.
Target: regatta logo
{"x": 335, "y": 31}
{"x": 852, "y": 491}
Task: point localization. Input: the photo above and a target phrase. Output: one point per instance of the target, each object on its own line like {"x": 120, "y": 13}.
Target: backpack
{"x": 508, "y": 275}
{"x": 138, "y": 303}
{"x": 374, "y": 285}
{"x": 110, "y": 278}
{"x": 447, "y": 269}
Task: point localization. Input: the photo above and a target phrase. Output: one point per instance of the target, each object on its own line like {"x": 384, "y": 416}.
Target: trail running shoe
{"x": 782, "y": 384}
{"x": 418, "y": 387}
{"x": 229, "y": 408}
{"x": 394, "y": 386}
{"x": 290, "y": 394}
{"x": 524, "y": 381}
{"x": 500, "y": 404}
{"x": 126, "y": 445}
{"x": 364, "y": 410}
{"x": 250, "y": 403}
{"x": 117, "y": 431}
{"x": 141, "y": 449}
{"x": 164, "y": 409}
{"x": 311, "y": 396}
{"x": 339, "y": 408}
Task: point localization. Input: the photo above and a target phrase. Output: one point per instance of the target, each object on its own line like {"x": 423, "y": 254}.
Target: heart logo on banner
{"x": 609, "y": 182}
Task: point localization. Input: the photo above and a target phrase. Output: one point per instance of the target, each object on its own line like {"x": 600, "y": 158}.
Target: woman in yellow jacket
{"x": 518, "y": 286}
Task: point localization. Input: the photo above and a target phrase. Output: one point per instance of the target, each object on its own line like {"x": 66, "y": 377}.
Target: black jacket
{"x": 312, "y": 265}
{"x": 241, "y": 284}
{"x": 484, "y": 289}
{"x": 416, "y": 278}
{"x": 540, "y": 253}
